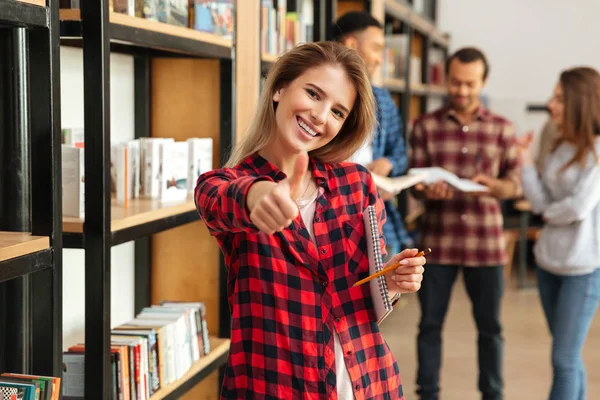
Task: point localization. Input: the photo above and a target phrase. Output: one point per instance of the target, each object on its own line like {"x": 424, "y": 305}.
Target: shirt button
{"x": 349, "y": 352}
{"x": 465, "y": 128}
{"x": 318, "y": 219}
{"x": 324, "y": 283}
{"x": 464, "y": 150}
{"x": 357, "y": 387}
{"x": 463, "y": 217}
{"x": 323, "y": 251}
{"x": 337, "y": 320}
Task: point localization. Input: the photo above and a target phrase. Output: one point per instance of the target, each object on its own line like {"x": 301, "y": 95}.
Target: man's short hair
{"x": 353, "y": 22}
{"x": 469, "y": 55}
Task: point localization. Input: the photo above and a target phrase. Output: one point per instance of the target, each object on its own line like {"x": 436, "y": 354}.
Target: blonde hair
{"x": 359, "y": 124}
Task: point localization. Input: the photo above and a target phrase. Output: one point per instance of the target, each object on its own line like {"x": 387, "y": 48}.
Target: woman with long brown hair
{"x": 567, "y": 195}
{"x": 288, "y": 215}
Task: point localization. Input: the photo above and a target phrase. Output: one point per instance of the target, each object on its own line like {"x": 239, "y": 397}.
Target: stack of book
{"x": 147, "y": 353}
{"x": 394, "y": 56}
{"x": 29, "y": 387}
{"x": 282, "y": 29}
{"x": 212, "y": 16}
{"x": 149, "y": 168}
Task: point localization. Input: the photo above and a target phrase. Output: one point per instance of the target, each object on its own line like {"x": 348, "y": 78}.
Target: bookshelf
{"x": 184, "y": 85}
{"x": 30, "y": 203}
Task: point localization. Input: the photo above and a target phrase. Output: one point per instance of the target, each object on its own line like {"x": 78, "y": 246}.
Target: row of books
{"x": 395, "y": 57}
{"x": 212, "y": 16}
{"x": 282, "y": 29}
{"x": 29, "y": 387}
{"x": 150, "y": 168}
{"x": 148, "y": 353}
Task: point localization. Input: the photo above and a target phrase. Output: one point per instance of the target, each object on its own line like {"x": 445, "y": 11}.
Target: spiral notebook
{"x": 382, "y": 302}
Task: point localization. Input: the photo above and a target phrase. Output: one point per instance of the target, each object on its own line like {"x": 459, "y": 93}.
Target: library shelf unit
{"x": 184, "y": 87}
{"x": 30, "y": 189}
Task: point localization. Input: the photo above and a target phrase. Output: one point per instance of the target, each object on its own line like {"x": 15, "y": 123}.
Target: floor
{"x": 527, "y": 369}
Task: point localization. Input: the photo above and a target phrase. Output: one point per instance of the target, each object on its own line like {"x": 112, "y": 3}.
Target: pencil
{"x": 388, "y": 269}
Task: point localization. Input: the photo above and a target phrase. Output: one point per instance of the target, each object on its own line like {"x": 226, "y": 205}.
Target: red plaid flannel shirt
{"x": 288, "y": 295}
{"x": 465, "y": 230}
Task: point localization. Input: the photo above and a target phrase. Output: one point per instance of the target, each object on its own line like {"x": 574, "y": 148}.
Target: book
{"x": 399, "y": 183}
{"x": 382, "y": 302}
{"x": 199, "y": 159}
{"x": 434, "y": 174}
{"x": 8, "y": 393}
{"x": 73, "y": 181}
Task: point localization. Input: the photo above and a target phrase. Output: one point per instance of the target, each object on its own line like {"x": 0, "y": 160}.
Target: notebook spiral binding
{"x": 373, "y": 225}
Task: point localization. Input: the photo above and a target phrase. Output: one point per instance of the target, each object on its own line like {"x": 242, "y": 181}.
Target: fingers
{"x": 296, "y": 180}
{"x": 439, "y": 191}
{"x": 275, "y": 211}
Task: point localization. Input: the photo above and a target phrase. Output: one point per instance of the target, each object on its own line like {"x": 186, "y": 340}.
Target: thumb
{"x": 297, "y": 178}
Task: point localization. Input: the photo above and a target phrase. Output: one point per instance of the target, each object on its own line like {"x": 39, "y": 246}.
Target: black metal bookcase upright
{"x": 30, "y": 189}
{"x": 94, "y": 30}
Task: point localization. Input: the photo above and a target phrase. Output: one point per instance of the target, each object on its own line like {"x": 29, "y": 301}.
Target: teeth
{"x": 306, "y": 128}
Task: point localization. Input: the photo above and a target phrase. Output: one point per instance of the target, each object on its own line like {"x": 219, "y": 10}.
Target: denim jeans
{"x": 485, "y": 287}
{"x": 570, "y": 303}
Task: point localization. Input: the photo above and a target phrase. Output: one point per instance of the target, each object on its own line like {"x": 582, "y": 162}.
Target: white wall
{"x": 122, "y": 256}
{"x": 527, "y": 42}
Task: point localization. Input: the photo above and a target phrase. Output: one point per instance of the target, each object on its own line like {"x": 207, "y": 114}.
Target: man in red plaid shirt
{"x": 464, "y": 230}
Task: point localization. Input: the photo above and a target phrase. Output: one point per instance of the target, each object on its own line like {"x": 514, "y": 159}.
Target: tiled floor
{"x": 527, "y": 366}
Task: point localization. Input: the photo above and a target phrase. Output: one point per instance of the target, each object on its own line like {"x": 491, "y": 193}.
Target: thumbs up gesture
{"x": 272, "y": 205}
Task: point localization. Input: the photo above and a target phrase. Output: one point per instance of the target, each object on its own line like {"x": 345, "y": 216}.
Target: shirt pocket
{"x": 355, "y": 245}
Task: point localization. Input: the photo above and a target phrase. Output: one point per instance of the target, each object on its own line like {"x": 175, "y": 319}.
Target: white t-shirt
{"x": 343, "y": 382}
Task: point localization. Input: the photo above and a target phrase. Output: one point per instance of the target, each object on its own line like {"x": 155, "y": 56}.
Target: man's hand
{"x": 272, "y": 205}
{"x": 382, "y": 166}
{"x": 499, "y": 188}
{"x": 385, "y": 196}
{"x": 408, "y": 276}
{"x": 439, "y": 190}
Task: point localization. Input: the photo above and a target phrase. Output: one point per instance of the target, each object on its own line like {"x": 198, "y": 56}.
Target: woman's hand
{"x": 408, "y": 276}
{"x": 525, "y": 150}
{"x": 272, "y": 205}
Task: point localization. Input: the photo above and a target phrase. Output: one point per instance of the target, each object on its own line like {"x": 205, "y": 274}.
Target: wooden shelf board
{"x": 394, "y": 84}
{"x": 218, "y": 348}
{"x": 138, "y": 212}
{"x": 398, "y": 10}
{"x": 159, "y": 27}
{"x": 17, "y": 244}
{"x": 436, "y": 90}
{"x": 270, "y": 58}
{"x": 41, "y": 3}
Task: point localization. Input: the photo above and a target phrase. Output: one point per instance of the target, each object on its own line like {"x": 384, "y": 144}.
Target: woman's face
{"x": 312, "y": 109}
{"x": 557, "y": 106}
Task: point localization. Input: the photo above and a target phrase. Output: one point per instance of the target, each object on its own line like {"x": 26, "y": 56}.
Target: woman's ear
{"x": 277, "y": 94}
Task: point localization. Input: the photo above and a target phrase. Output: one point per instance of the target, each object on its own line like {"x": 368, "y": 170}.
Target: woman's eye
{"x": 312, "y": 93}
{"x": 338, "y": 113}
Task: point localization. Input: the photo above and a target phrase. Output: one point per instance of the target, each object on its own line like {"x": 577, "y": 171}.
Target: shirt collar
{"x": 263, "y": 167}
{"x": 481, "y": 114}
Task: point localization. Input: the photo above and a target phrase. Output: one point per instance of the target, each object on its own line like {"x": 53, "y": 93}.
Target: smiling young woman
{"x": 287, "y": 213}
